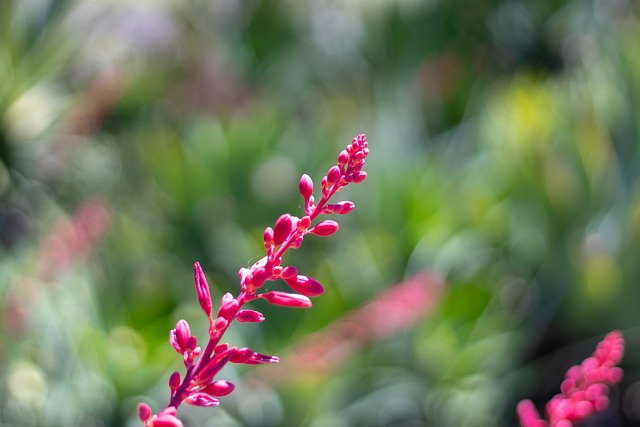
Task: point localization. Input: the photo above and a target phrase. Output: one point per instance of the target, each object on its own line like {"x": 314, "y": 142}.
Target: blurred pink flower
{"x": 584, "y": 389}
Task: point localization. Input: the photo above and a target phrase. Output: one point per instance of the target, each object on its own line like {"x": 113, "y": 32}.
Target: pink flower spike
{"x": 305, "y": 285}
{"x": 325, "y": 228}
{"x": 306, "y": 186}
{"x": 144, "y": 411}
{"x": 249, "y": 316}
{"x": 202, "y": 289}
{"x": 285, "y": 299}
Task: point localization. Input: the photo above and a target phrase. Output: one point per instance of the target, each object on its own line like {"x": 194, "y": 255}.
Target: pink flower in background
{"x": 199, "y": 386}
{"x": 584, "y": 389}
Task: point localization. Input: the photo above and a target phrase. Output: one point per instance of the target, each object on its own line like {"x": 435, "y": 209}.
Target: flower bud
{"x": 249, "y": 316}
{"x": 306, "y": 186}
{"x": 359, "y": 177}
{"x": 174, "y": 382}
{"x": 305, "y": 285}
{"x": 202, "y": 289}
{"x": 333, "y": 175}
{"x": 167, "y": 418}
{"x": 179, "y": 336}
{"x": 192, "y": 343}
{"x": 282, "y": 229}
{"x": 289, "y": 272}
{"x": 242, "y": 355}
{"x": 285, "y": 299}
{"x": 341, "y": 208}
{"x": 325, "y": 228}
{"x": 261, "y": 359}
{"x": 144, "y": 411}
{"x": 202, "y": 399}
{"x": 343, "y": 158}
{"x": 228, "y": 309}
{"x": 219, "y": 388}
{"x": 221, "y": 348}
{"x": 268, "y": 237}
{"x": 304, "y": 223}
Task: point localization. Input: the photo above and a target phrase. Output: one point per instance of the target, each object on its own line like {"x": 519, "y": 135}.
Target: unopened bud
{"x": 202, "y": 289}
{"x": 219, "y": 388}
{"x": 268, "y": 237}
{"x": 285, "y": 299}
{"x": 174, "y": 382}
{"x": 202, "y": 399}
{"x": 325, "y": 228}
{"x": 282, "y": 229}
{"x": 304, "y": 223}
{"x": 359, "y": 177}
{"x": 251, "y": 316}
{"x": 306, "y": 186}
{"x": 306, "y": 286}
{"x": 144, "y": 411}
{"x": 289, "y": 272}
{"x": 333, "y": 175}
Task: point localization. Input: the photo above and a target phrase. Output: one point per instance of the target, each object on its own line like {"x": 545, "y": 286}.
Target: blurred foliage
{"x": 139, "y": 137}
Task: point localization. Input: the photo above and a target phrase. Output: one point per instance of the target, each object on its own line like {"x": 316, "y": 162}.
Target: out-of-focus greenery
{"x": 139, "y": 137}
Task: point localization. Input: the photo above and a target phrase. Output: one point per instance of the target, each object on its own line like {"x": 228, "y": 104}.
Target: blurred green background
{"x": 139, "y": 137}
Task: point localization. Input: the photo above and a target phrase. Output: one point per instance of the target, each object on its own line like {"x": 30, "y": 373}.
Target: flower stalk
{"x": 199, "y": 386}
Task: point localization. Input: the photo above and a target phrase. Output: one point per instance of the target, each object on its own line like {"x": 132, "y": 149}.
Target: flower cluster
{"x": 199, "y": 387}
{"x": 584, "y": 389}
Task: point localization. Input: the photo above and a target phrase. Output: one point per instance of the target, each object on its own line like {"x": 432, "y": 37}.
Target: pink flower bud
{"x": 219, "y": 388}
{"x": 167, "y": 418}
{"x": 304, "y": 223}
{"x": 288, "y": 272}
{"x": 192, "y": 343}
{"x": 333, "y": 175}
{"x": 306, "y": 186}
{"x": 343, "y": 158}
{"x": 306, "y": 286}
{"x": 285, "y": 299}
{"x": 359, "y": 177}
{"x": 242, "y": 355}
{"x": 202, "y": 289}
{"x": 268, "y": 237}
{"x": 249, "y": 316}
{"x": 178, "y": 337}
{"x": 144, "y": 411}
{"x": 221, "y": 348}
{"x": 325, "y": 228}
{"x": 341, "y": 208}
{"x": 228, "y": 309}
{"x": 174, "y": 382}
{"x": 261, "y": 359}
{"x": 282, "y": 229}
{"x": 202, "y": 399}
